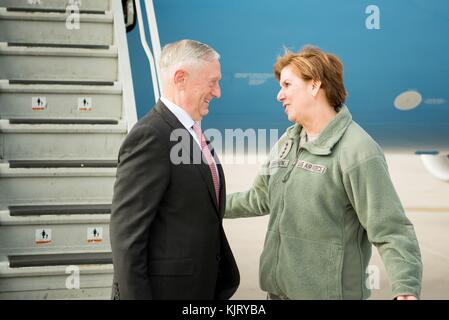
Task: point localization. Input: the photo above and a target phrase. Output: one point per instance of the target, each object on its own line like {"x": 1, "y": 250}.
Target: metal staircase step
{"x": 55, "y": 214}
{"x": 34, "y": 210}
{"x": 51, "y": 282}
{"x": 63, "y": 163}
{"x": 39, "y": 213}
{"x": 55, "y": 26}
{"x": 25, "y": 186}
{"x": 61, "y": 121}
{"x": 60, "y": 101}
{"x": 99, "y": 5}
{"x": 7, "y": 127}
{"x": 48, "y": 276}
{"x": 52, "y": 10}
{"x": 57, "y": 45}
{"x": 57, "y": 233}
{"x": 23, "y": 63}
{"x": 60, "y": 141}
{"x": 60, "y": 82}
{"x": 28, "y": 171}
{"x": 64, "y": 259}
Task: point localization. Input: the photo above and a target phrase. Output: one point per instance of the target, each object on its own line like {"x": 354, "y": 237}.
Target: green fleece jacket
{"x": 328, "y": 201}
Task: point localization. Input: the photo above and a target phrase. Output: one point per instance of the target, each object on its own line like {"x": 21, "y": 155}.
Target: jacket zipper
{"x": 289, "y": 172}
{"x": 287, "y": 175}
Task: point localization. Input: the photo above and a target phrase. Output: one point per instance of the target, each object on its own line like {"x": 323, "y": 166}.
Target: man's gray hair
{"x": 185, "y": 52}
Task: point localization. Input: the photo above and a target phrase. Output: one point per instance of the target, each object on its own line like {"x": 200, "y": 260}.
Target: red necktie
{"x": 209, "y": 158}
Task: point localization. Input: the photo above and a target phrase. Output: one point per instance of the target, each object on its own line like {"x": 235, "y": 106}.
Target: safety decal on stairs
{"x": 84, "y": 104}
{"x": 38, "y": 103}
{"x": 43, "y": 236}
{"x": 95, "y": 234}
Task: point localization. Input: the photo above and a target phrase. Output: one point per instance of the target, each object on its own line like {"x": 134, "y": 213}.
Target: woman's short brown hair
{"x": 313, "y": 64}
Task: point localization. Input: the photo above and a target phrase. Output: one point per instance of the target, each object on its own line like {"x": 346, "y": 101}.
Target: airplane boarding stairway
{"x": 66, "y": 104}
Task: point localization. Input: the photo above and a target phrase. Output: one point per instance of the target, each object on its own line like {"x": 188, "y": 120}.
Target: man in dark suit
{"x": 166, "y": 229}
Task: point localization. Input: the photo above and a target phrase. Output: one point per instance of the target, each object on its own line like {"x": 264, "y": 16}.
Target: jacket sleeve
{"x": 142, "y": 178}
{"x": 251, "y": 203}
{"x": 372, "y": 195}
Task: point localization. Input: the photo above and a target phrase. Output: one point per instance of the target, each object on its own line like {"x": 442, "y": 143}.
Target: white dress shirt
{"x": 182, "y": 116}
{"x": 186, "y": 120}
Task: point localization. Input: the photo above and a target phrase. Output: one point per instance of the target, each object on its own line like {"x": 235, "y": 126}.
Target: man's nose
{"x": 216, "y": 92}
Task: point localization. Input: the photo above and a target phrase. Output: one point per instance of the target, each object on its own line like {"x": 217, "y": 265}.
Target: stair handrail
{"x": 154, "y": 36}
{"x": 150, "y": 57}
{"x": 129, "y": 111}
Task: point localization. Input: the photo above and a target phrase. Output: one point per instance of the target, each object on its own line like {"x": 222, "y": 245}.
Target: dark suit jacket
{"x": 166, "y": 229}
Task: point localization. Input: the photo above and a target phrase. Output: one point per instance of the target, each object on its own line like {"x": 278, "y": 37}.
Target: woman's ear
{"x": 316, "y": 85}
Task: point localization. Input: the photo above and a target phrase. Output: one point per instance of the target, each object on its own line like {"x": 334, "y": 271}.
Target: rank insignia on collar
{"x": 286, "y": 148}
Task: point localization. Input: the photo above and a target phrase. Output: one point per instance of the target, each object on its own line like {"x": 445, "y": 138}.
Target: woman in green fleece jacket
{"x": 329, "y": 195}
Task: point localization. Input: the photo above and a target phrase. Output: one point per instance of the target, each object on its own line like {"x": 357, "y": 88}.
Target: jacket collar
{"x": 171, "y": 119}
{"x": 328, "y": 137}
{"x": 168, "y": 116}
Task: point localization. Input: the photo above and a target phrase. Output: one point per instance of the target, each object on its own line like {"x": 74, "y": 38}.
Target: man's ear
{"x": 179, "y": 78}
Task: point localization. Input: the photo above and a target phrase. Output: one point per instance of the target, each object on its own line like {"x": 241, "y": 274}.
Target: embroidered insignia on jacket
{"x": 315, "y": 168}
{"x": 279, "y": 163}
{"x": 286, "y": 148}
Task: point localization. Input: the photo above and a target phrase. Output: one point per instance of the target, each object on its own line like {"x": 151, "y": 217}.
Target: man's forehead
{"x": 213, "y": 69}
{"x": 215, "y": 75}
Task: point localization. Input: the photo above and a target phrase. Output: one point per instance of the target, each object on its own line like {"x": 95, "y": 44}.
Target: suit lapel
{"x": 194, "y": 149}
{"x": 222, "y": 190}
